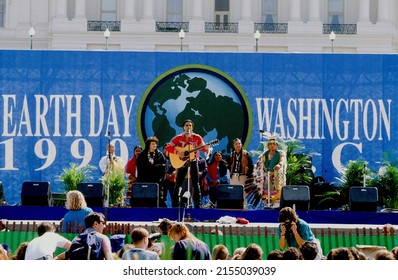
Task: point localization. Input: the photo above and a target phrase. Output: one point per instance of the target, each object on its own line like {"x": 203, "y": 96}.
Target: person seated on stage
{"x": 44, "y": 246}
{"x": 274, "y": 167}
{"x": 78, "y": 210}
{"x": 140, "y": 240}
{"x": 294, "y": 232}
{"x": 179, "y": 146}
{"x": 131, "y": 169}
{"x": 111, "y": 162}
{"x": 240, "y": 166}
{"x": 151, "y": 167}
{"x": 217, "y": 173}
{"x": 187, "y": 246}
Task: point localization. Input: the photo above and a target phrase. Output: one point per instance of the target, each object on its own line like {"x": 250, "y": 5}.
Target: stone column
{"x": 129, "y": 9}
{"x": 364, "y": 10}
{"x": 245, "y": 24}
{"x": 148, "y": 10}
{"x": 197, "y": 10}
{"x": 60, "y": 11}
{"x": 80, "y": 9}
{"x": 197, "y": 24}
{"x": 314, "y": 10}
{"x": 295, "y": 10}
{"x": 383, "y": 11}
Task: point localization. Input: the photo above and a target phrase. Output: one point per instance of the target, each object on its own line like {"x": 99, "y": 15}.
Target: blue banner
{"x": 56, "y": 107}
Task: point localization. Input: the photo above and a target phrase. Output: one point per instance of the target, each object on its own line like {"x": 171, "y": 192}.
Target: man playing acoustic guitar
{"x": 183, "y": 152}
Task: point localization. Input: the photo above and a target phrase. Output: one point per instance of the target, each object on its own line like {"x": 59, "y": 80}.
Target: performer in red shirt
{"x": 184, "y": 152}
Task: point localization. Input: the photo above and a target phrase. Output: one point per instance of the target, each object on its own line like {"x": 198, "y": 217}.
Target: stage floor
{"x": 321, "y": 218}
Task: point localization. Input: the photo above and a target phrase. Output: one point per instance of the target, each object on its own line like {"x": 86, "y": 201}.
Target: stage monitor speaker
{"x": 93, "y": 193}
{"x": 296, "y": 196}
{"x": 229, "y": 196}
{"x": 144, "y": 195}
{"x": 363, "y": 199}
{"x": 36, "y": 194}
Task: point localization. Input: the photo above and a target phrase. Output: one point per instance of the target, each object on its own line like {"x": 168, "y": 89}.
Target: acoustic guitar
{"x": 188, "y": 152}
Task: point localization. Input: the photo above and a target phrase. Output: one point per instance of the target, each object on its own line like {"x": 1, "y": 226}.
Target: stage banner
{"x": 57, "y": 107}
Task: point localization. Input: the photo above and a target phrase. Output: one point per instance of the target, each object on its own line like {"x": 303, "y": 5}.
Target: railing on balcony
{"x": 277, "y": 28}
{"x": 217, "y": 27}
{"x": 171, "y": 26}
{"x": 340, "y": 28}
{"x": 103, "y": 25}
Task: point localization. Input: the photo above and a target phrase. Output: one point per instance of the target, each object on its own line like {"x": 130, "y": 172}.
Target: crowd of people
{"x": 174, "y": 241}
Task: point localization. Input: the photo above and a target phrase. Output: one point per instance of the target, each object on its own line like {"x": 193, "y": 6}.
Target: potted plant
{"x": 74, "y": 175}
{"x": 386, "y": 180}
{"x": 116, "y": 183}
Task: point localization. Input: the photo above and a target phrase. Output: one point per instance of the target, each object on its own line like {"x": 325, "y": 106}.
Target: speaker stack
{"x": 296, "y": 196}
{"x": 36, "y": 194}
{"x": 363, "y": 199}
{"x": 229, "y": 196}
{"x": 93, "y": 193}
{"x": 144, "y": 195}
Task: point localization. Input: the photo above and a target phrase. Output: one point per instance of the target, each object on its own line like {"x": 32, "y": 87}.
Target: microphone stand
{"x": 108, "y": 180}
{"x": 364, "y": 175}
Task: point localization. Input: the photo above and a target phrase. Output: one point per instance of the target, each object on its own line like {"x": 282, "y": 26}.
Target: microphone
{"x": 188, "y": 132}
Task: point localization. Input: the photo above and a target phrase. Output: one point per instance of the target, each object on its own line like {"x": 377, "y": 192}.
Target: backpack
{"x": 86, "y": 246}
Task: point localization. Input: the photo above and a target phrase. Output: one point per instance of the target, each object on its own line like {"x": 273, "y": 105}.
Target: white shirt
{"x": 45, "y": 245}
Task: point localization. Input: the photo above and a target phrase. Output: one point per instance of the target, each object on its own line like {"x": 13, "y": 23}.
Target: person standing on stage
{"x": 181, "y": 145}
{"x": 240, "y": 166}
{"x": 274, "y": 166}
{"x": 151, "y": 166}
{"x": 131, "y": 170}
{"x": 111, "y": 162}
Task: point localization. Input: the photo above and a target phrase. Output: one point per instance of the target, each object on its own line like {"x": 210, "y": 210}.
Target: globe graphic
{"x": 213, "y": 102}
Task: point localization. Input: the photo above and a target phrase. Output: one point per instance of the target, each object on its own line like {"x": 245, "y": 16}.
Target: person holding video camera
{"x": 294, "y": 232}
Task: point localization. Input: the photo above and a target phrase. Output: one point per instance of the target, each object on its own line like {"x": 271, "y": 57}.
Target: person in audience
{"x": 44, "y": 246}
{"x": 139, "y": 238}
{"x": 293, "y": 231}
{"x": 253, "y": 252}
{"x": 131, "y": 170}
{"x": 20, "y": 252}
{"x": 384, "y": 254}
{"x": 217, "y": 173}
{"x": 275, "y": 255}
{"x": 73, "y": 220}
{"x": 240, "y": 166}
{"x": 118, "y": 255}
{"x": 8, "y": 250}
{"x": 358, "y": 255}
{"x": 3, "y": 253}
{"x": 187, "y": 246}
{"x": 164, "y": 228}
{"x": 309, "y": 250}
{"x": 95, "y": 222}
{"x": 151, "y": 165}
{"x": 177, "y": 147}
{"x": 394, "y": 251}
{"x": 110, "y": 162}
{"x": 238, "y": 253}
{"x": 340, "y": 253}
{"x": 220, "y": 252}
{"x": 292, "y": 253}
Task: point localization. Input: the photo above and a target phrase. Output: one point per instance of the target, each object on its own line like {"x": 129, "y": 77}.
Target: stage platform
{"x": 270, "y": 216}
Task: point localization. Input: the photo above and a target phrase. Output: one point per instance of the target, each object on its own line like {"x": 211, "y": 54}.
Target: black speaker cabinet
{"x": 36, "y": 194}
{"x": 93, "y": 193}
{"x": 363, "y": 199}
{"x": 144, "y": 195}
{"x": 229, "y": 196}
{"x": 296, "y": 196}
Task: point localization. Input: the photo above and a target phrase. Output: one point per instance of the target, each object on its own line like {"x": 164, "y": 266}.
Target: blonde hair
{"x": 75, "y": 200}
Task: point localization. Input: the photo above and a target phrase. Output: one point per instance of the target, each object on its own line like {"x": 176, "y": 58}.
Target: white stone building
{"x": 360, "y": 26}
